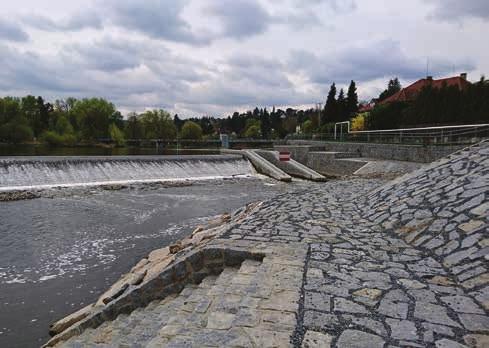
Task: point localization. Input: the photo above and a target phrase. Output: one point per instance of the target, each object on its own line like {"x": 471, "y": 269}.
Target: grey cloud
{"x": 258, "y": 70}
{"x": 79, "y": 21}
{"x": 240, "y": 18}
{"x": 28, "y": 71}
{"x": 160, "y": 19}
{"x": 112, "y": 55}
{"x": 300, "y": 14}
{"x": 160, "y": 81}
{"x": 456, "y": 9}
{"x": 377, "y": 60}
{"x": 298, "y": 19}
{"x": 340, "y": 6}
{"x": 11, "y": 32}
{"x": 245, "y": 82}
{"x": 105, "y": 55}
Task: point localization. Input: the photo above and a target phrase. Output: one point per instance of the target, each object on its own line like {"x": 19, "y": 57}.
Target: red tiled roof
{"x": 411, "y": 92}
{"x": 366, "y": 107}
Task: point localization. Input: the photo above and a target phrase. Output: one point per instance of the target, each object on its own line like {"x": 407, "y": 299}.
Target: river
{"x": 59, "y": 252}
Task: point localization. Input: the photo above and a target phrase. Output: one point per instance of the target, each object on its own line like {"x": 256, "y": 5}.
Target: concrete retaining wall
{"x": 330, "y": 166}
{"x": 412, "y": 153}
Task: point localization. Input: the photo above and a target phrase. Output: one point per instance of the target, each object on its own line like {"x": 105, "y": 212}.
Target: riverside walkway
{"x": 351, "y": 263}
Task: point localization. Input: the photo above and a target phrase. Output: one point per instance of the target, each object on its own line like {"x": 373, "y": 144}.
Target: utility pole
{"x": 318, "y": 107}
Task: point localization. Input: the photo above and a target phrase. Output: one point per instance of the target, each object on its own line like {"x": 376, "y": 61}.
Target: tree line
{"x": 73, "y": 121}
{"x": 447, "y": 105}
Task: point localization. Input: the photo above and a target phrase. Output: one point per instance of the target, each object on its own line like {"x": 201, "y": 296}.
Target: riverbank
{"x": 352, "y": 263}
{"x": 60, "y": 252}
{"x": 102, "y": 150}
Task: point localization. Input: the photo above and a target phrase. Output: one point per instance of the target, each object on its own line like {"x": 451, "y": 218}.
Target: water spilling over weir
{"x": 37, "y": 173}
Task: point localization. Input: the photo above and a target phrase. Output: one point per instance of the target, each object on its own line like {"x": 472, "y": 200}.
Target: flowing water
{"x": 58, "y": 254}
{"x": 24, "y": 173}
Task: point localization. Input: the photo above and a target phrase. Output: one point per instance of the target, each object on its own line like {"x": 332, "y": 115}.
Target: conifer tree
{"x": 341, "y": 107}
{"x": 266, "y": 127}
{"x": 352, "y": 99}
{"x": 330, "y": 108}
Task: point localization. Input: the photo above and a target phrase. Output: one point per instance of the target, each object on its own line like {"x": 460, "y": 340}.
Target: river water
{"x": 58, "y": 254}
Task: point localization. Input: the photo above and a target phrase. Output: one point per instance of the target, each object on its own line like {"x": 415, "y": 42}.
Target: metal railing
{"x": 446, "y": 135}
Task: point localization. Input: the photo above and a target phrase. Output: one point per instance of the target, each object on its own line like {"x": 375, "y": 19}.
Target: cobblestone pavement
{"x": 354, "y": 263}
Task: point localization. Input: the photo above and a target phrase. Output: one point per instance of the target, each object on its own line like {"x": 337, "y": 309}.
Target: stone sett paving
{"x": 353, "y": 263}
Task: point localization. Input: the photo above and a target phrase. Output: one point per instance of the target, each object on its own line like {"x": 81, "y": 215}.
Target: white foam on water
{"x": 17, "y": 175}
{"x": 85, "y": 254}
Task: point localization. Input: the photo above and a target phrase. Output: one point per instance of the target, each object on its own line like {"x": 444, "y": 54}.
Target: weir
{"x": 37, "y": 173}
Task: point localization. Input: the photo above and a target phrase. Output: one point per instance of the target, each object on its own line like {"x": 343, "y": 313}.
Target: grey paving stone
{"x": 346, "y": 306}
{"x": 317, "y": 301}
{"x": 446, "y": 343}
{"x": 314, "y": 339}
{"x": 462, "y": 304}
{"x": 433, "y": 313}
{"x": 320, "y": 321}
{"x": 393, "y": 309}
{"x": 475, "y": 322}
{"x": 364, "y": 322}
{"x": 403, "y": 329}
{"x": 359, "y": 339}
{"x": 432, "y": 329}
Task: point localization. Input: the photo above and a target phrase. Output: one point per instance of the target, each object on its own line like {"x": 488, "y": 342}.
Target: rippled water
{"x": 58, "y": 254}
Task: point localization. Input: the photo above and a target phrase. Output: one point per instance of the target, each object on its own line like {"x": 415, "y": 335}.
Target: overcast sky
{"x": 212, "y": 57}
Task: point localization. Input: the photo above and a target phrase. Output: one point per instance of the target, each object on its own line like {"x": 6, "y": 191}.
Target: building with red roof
{"x": 411, "y": 92}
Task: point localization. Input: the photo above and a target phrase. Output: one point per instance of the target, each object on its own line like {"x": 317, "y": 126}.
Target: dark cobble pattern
{"x": 352, "y": 263}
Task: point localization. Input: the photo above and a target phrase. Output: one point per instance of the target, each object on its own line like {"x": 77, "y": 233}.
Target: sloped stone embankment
{"x": 352, "y": 263}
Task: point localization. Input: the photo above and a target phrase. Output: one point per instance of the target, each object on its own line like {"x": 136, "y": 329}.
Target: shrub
{"x": 358, "y": 122}
{"x": 253, "y": 131}
{"x": 52, "y": 138}
{"x": 16, "y": 133}
{"x": 191, "y": 130}
{"x": 55, "y": 139}
{"x": 116, "y": 135}
{"x": 307, "y": 127}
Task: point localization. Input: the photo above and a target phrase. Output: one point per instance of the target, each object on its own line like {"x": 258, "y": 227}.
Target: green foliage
{"x": 55, "y": 139}
{"x": 308, "y": 127}
{"x": 435, "y": 106}
{"x": 253, "y": 132}
{"x": 253, "y": 127}
{"x": 116, "y": 135}
{"x": 327, "y": 128}
{"x": 290, "y": 124}
{"x": 342, "y": 108}
{"x": 63, "y": 126}
{"x": 191, "y": 130}
{"x": 157, "y": 124}
{"x": 352, "y": 100}
{"x": 93, "y": 117}
{"x": 387, "y": 116}
{"x": 265, "y": 125}
{"x": 16, "y": 131}
{"x": 133, "y": 127}
{"x": 393, "y": 87}
{"x": 330, "y": 107}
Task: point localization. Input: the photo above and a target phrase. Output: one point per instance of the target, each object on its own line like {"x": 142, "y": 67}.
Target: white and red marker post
{"x": 284, "y": 156}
